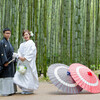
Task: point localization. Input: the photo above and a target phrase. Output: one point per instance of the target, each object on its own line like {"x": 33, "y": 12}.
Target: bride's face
{"x": 26, "y": 36}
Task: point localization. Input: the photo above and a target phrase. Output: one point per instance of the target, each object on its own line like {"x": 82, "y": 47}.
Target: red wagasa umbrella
{"x": 85, "y": 78}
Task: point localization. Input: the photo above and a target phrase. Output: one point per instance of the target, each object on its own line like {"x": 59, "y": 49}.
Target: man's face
{"x": 7, "y": 34}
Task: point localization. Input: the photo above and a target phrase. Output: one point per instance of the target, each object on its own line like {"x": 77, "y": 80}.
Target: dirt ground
{"x": 48, "y": 91}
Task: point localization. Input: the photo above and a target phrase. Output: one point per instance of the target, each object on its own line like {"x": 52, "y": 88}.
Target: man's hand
{"x": 6, "y": 64}
{"x": 22, "y": 58}
{"x": 15, "y": 55}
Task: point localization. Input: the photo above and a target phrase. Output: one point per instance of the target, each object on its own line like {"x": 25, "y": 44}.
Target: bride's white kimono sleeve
{"x": 30, "y": 52}
{"x": 30, "y": 55}
{"x": 30, "y": 79}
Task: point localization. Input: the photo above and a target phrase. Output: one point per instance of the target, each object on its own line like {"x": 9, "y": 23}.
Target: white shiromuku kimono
{"x": 29, "y": 80}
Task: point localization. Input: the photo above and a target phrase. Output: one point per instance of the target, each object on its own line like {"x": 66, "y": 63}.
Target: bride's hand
{"x": 22, "y": 58}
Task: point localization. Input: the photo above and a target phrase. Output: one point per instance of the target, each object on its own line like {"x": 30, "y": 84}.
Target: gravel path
{"x": 47, "y": 91}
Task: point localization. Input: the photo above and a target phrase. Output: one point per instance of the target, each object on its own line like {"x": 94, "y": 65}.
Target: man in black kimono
{"x": 7, "y": 73}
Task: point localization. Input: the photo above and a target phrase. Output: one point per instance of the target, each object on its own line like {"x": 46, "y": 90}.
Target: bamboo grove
{"x": 65, "y": 31}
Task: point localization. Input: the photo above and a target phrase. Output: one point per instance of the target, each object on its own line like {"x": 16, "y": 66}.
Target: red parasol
{"x": 85, "y": 78}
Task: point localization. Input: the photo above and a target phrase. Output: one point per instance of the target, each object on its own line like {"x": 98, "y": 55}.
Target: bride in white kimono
{"x": 28, "y": 82}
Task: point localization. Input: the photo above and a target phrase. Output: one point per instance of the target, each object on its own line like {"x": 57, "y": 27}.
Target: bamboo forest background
{"x": 65, "y": 31}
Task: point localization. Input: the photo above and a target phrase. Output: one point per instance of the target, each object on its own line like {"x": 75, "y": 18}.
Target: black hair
{"x": 6, "y": 29}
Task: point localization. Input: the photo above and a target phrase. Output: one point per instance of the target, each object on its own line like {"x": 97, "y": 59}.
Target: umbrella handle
{"x": 68, "y": 73}
{"x": 89, "y": 73}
